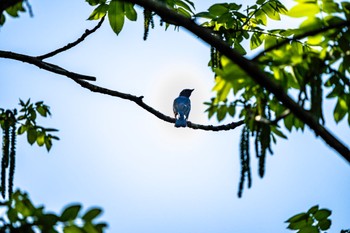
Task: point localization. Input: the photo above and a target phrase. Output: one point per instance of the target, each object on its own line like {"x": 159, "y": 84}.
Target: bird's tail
{"x": 181, "y": 122}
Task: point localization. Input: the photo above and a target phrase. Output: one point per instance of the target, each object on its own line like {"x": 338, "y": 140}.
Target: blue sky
{"x": 147, "y": 175}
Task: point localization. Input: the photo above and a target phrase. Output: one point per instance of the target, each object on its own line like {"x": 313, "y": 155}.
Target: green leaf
{"x": 22, "y": 129}
{"x": 218, "y": 9}
{"x": 231, "y": 109}
{"x": 130, "y": 12}
{"x": 206, "y": 15}
{"x": 260, "y": 17}
{"x": 322, "y": 214}
{"x": 306, "y": 9}
{"x": 223, "y": 88}
{"x": 48, "y": 143}
{"x": 13, "y": 10}
{"x": 70, "y": 213}
{"x": 340, "y": 110}
{"x": 330, "y": 7}
{"x": 95, "y": 2}
{"x": 260, "y": 2}
{"x": 40, "y": 140}
{"x": 237, "y": 46}
{"x": 31, "y": 136}
{"x": 48, "y": 220}
{"x": 309, "y": 229}
{"x": 235, "y": 7}
{"x": 221, "y": 113}
{"x": 298, "y": 225}
{"x": 256, "y": 40}
{"x": 183, "y": 5}
{"x": 298, "y": 217}
{"x": 90, "y": 228}
{"x": 12, "y": 215}
{"x": 313, "y": 209}
{"x": 184, "y": 12}
{"x": 25, "y": 207}
{"x": 279, "y": 133}
{"x": 325, "y": 224}
{"x": 270, "y": 41}
{"x": 41, "y": 110}
{"x": 271, "y": 11}
{"x": 91, "y": 214}
{"x": 116, "y": 15}
{"x": 2, "y": 19}
{"x": 72, "y": 229}
{"x": 99, "y": 12}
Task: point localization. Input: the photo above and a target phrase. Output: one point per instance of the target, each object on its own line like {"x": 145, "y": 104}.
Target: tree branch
{"x": 45, "y": 65}
{"x": 139, "y": 101}
{"x": 301, "y": 36}
{"x": 249, "y": 67}
{"x": 72, "y": 44}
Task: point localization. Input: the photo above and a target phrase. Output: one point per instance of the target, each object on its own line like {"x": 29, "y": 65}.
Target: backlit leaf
{"x": 340, "y": 110}
{"x": 91, "y": 214}
{"x": 256, "y": 40}
{"x": 304, "y": 10}
{"x": 99, "y": 12}
{"x": 70, "y": 213}
{"x": 130, "y": 12}
{"x": 116, "y": 15}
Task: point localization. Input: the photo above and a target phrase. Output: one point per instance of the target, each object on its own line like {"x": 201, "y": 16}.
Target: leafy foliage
{"x": 35, "y": 133}
{"x": 117, "y": 10}
{"x": 315, "y": 220}
{"x": 15, "y": 10}
{"x": 21, "y": 215}
{"x": 308, "y": 62}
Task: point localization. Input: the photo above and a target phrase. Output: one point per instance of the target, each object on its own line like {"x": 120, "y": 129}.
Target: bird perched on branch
{"x": 182, "y": 108}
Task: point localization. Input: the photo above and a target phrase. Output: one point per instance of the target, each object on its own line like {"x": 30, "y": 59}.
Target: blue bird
{"x": 182, "y": 107}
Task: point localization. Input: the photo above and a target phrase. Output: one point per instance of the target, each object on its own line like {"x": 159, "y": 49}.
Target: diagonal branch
{"x": 72, "y": 44}
{"x": 250, "y": 68}
{"x": 139, "y": 101}
{"x": 45, "y": 65}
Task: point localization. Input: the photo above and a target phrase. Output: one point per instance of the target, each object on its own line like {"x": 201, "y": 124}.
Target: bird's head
{"x": 186, "y": 92}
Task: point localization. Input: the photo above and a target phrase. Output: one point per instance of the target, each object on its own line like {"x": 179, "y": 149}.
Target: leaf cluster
{"x": 310, "y": 63}
{"x": 35, "y": 133}
{"x": 315, "y": 220}
{"x": 118, "y": 10}
{"x": 21, "y": 215}
{"x": 27, "y": 120}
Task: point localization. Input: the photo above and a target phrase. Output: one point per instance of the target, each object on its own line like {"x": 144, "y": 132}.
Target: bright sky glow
{"x": 148, "y": 176}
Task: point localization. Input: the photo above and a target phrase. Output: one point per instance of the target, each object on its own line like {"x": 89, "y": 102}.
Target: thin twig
{"x": 72, "y": 44}
{"x": 45, "y": 65}
{"x": 139, "y": 101}
{"x": 301, "y": 36}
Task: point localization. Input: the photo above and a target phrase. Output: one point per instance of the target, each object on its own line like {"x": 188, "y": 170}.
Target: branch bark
{"x": 139, "y": 101}
{"x": 249, "y": 67}
{"x": 72, "y": 44}
{"x": 45, "y": 65}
